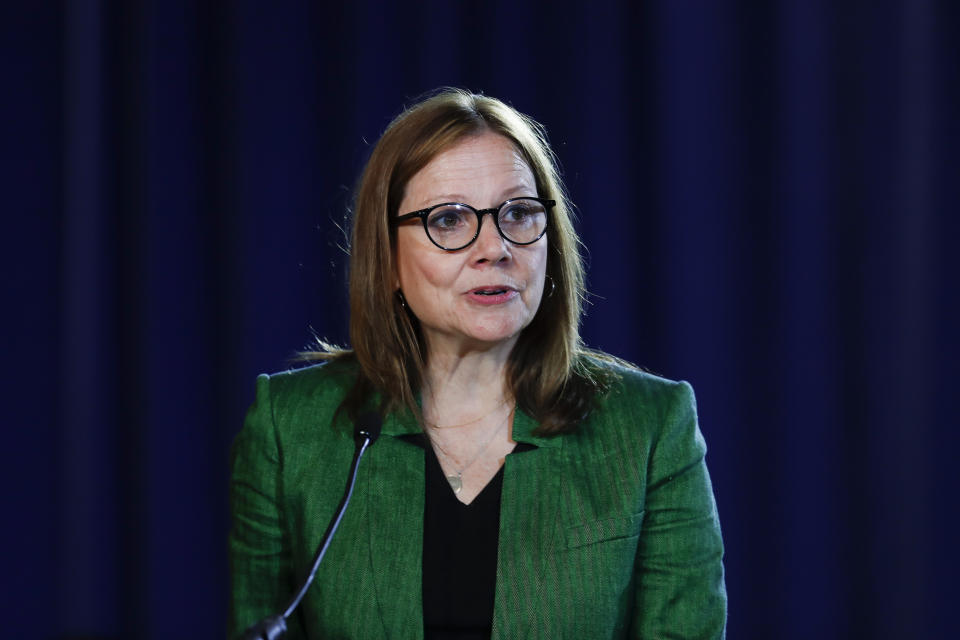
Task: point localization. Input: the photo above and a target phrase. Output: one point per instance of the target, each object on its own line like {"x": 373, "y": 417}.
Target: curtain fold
{"x": 767, "y": 194}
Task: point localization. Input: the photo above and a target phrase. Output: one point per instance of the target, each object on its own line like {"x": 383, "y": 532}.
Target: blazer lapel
{"x": 529, "y": 509}
{"x": 394, "y": 474}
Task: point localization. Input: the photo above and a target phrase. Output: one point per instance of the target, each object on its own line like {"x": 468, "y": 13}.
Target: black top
{"x": 459, "y": 555}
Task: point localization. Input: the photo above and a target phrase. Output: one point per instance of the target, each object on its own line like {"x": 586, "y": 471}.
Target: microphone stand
{"x": 367, "y": 430}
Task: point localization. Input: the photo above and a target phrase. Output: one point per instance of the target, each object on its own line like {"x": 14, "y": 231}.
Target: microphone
{"x": 368, "y": 426}
{"x": 366, "y": 430}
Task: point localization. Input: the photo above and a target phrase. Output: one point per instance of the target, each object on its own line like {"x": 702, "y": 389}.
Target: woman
{"x": 523, "y": 486}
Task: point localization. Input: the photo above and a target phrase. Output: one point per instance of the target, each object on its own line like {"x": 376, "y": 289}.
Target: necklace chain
{"x": 434, "y": 425}
{"x": 456, "y": 481}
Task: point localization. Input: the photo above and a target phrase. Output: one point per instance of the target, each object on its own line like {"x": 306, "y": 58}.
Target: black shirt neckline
{"x": 460, "y": 544}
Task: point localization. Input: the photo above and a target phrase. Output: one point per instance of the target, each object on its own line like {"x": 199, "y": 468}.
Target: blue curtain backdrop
{"x": 768, "y": 191}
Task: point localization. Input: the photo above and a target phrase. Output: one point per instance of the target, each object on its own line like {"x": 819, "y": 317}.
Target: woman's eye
{"x": 445, "y": 219}
{"x": 516, "y": 213}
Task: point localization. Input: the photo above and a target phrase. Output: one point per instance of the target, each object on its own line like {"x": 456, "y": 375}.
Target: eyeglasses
{"x": 453, "y": 225}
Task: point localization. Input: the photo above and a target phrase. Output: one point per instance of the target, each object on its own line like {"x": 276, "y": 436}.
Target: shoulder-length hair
{"x": 547, "y": 370}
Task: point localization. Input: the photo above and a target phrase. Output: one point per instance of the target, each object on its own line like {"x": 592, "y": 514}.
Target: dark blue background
{"x": 768, "y": 191}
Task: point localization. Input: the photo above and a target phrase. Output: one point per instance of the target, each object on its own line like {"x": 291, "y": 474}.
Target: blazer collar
{"x": 402, "y": 422}
{"x": 523, "y": 428}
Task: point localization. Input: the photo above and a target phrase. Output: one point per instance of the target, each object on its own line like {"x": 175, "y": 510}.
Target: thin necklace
{"x": 456, "y": 480}
{"x": 434, "y": 425}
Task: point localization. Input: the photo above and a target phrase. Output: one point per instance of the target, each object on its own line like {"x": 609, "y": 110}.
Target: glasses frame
{"x": 494, "y": 213}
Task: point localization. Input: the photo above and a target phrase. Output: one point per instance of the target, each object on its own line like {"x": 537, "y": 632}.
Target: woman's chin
{"x": 507, "y": 336}
{"x": 481, "y": 338}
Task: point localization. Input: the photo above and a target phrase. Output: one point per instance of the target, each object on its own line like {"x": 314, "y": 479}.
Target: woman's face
{"x": 489, "y": 291}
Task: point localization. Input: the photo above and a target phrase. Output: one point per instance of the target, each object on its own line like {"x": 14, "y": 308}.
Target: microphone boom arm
{"x": 275, "y": 627}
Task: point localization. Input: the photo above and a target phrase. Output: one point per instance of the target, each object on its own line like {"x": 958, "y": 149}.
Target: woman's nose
{"x": 490, "y": 245}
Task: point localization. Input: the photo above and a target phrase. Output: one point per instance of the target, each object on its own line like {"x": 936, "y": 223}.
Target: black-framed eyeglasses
{"x": 453, "y": 225}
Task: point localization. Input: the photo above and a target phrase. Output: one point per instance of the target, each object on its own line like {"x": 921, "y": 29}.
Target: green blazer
{"x": 609, "y": 532}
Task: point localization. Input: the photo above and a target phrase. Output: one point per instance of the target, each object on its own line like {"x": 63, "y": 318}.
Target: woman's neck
{"x": 462, "y": 385}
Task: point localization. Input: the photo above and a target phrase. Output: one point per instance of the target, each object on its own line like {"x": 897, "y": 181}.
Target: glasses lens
{"x": 452, "y": 226}
{"x": 523, "y": 221}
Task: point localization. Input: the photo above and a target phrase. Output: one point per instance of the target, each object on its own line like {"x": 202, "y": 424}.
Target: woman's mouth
{"x": 492, "y": 295}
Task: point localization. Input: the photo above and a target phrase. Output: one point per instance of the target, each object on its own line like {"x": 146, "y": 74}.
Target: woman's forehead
{"x": 488, "y": 163}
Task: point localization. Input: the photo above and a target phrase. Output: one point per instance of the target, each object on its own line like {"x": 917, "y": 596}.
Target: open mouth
{"x": 490, "y": 292}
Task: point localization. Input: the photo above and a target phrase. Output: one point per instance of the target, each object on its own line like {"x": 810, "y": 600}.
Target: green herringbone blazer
{"x": 609, "y": 532}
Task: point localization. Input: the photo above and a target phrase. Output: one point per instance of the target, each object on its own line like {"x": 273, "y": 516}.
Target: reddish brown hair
{"x": 547, "y": 369}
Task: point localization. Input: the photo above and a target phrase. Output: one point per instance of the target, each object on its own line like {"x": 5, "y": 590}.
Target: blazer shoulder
{"x": 627, "y": 382}
{"x": 309, "y": 394}
{"x": 635, "y": 405}
{"x": 333, "y": 378}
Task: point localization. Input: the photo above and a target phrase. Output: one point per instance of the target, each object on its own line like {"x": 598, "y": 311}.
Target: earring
{"x": 403, "y": 301}
{"x": 553, "y": 286}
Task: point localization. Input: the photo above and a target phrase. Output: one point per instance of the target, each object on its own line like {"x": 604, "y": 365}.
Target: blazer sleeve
{"x": 680, "y": 590}
{"x": 259, "y": 548}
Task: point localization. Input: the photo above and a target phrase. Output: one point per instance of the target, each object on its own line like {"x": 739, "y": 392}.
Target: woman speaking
{"x": 523, "y": 486}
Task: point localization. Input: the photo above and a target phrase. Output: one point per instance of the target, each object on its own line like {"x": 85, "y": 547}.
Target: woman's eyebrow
{"x": 522, "y": 189}
{"x": 447, "y": 197}
{"x": 516, "y": 191}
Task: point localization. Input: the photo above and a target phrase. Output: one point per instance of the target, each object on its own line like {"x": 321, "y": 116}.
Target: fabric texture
{"x": 608, "y": 532}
